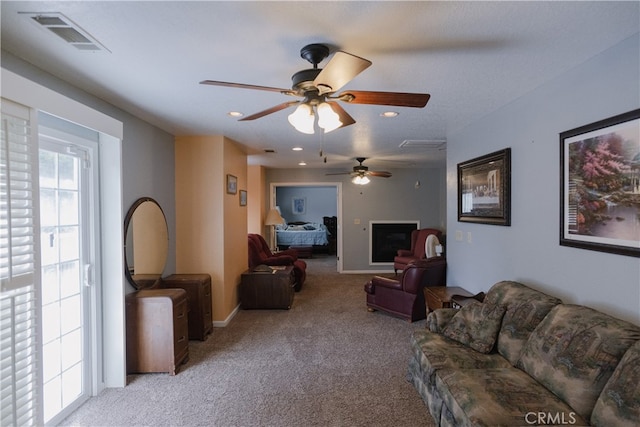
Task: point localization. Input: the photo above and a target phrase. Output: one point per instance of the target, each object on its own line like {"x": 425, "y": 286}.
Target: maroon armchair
{"x": 259, "y": 253}
{"x": 404, "y": 297}
{"x": 417, "y": 250}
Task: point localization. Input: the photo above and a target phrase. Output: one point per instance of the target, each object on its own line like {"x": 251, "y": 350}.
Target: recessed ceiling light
{"x": 302, "y": 164}
{"x": 389, "y": 114}
{"x": 235, "y": 114}
{"x": 297, "y": 148}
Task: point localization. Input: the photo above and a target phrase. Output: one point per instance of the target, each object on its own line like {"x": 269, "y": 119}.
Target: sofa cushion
{"x": 435, "y": 351}
{"x": 501, "y": 397}
{"x": 526, "y": 307}
{"x": 476, "y": 325}
{"x": 619, "y": 402}
{"x": 574, "y": 351}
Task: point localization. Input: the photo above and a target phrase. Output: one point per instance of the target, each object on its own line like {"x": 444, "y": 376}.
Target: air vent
{"x": 66, "y": 29}
{"x": 433, "y": 144}
{"x": 269, "y": 150}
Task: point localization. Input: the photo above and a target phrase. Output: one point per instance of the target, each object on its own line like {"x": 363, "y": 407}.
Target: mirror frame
{"x": 127, "y": 221}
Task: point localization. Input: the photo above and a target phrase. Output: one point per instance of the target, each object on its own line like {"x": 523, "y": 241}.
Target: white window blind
{"x": 19, "y": 365}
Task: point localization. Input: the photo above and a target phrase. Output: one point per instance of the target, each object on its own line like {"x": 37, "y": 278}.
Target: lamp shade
{"x": 327, "y": 118}
{"x": 274, "y": 218}
{"x": 360, "y": 180}
{"x": 302, "y": 118}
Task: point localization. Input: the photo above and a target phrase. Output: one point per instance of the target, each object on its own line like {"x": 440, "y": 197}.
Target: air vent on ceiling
{"x": 269, "y": 150}
{"x": 433, "y": 144}
{"x": 67, "y": 30}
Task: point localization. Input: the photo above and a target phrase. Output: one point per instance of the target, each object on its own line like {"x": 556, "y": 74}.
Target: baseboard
{"x": 366, "y": 271}
{"x": 225, "y": 322}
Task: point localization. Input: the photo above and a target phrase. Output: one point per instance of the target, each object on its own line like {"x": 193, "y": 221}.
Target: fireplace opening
{"x": 387, "y": 237}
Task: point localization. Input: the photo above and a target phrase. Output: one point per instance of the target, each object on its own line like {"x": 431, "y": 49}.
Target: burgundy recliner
{"x": 259, "y": 253}
{"x": 404, "y": 297}
{"x": 417, "y": 251}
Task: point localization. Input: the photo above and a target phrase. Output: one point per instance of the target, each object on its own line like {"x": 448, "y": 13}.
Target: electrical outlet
{"x": 469, "y": 239}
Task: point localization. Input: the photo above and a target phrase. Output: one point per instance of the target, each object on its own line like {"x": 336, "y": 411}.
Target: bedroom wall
{"x": 320, "y": 202}
{"x": 529, "y": 250}
{"x": 395, "y": 198}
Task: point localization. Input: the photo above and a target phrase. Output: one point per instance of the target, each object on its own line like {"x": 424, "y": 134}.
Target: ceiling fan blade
{"x": 399, "y": 99}
{"x": 339, "y": 173}
{"x": 345, "y": 118}
{"x": 269, "y": 111}
{"x": 381, "y": 174}
{"x": 245, "y": 86}
{"x": 339, "y": 71}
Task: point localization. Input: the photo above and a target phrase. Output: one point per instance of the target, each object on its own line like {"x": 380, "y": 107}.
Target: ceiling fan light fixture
{"x": 302, "y": 119}
{"x": 360, "y": 180}
{"x": 327, "y": 118}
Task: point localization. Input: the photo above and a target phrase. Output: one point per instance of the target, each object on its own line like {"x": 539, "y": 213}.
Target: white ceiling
{"x": 472, "y": 57}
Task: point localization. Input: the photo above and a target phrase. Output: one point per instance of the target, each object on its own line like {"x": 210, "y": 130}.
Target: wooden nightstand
{"x": 441, "y": 296}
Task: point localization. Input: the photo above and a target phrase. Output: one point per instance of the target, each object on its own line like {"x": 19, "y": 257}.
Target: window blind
{"x": 19, "y": 365}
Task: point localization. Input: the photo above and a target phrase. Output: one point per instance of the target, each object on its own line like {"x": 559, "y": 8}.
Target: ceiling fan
{"x": 361, "y": 173}
{"x": 318, "y": 87}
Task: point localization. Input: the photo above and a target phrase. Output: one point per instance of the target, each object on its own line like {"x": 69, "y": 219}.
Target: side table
{"x": 267, "y": 289}
{"x": 441, "y": 296}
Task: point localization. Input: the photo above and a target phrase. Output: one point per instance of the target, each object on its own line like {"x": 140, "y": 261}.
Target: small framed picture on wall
{"x": 232, "y": 184}
{"x": 299, "y": 205}
{"x": 243, "y": 198}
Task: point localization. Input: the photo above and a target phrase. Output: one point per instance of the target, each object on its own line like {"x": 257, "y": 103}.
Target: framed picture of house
{"x": 299, "y": 205}
{"x": 600, "y": 185}
{"x": 243, "y": 198}
{"x": 232, "y": 184}
{"x": 484, "y": 189}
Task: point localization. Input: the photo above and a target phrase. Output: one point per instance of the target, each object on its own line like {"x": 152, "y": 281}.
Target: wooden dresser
{"x": 157, "y": 330}
{"x": 198, "y": 288}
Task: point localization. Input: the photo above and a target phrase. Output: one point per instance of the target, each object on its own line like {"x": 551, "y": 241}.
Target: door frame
{"x": 338, "y": 187}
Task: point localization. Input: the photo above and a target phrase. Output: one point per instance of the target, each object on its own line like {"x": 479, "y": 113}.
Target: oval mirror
{"x": 147, "y": 243}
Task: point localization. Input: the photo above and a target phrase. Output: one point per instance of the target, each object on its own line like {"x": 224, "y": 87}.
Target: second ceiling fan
{"x": 318, "y": 87}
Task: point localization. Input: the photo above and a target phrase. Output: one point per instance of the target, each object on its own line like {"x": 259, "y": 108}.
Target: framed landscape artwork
{"x": 232, "y": 184}
{"x": 484, "y": 189}
{"x": 600, "y": 185}
{"x": 243, "y": 198}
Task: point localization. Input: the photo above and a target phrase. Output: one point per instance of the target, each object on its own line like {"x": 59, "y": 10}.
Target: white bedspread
{"x": 303, "y": 235}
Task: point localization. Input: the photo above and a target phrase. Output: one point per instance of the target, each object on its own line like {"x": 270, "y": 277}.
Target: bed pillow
{"x": 476, "y": 325}
{"x": 309, "y": 227}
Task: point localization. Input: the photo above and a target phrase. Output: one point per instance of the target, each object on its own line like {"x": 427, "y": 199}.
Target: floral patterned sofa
{"x": 523, "y": 358}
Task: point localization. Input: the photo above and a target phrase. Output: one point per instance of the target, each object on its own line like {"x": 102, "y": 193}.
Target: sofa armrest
{"x": 287, "y": 252}
{"x": 439, "y": 318}
{"x": 384, "y": 282}
{"x": 278, "y": 260}
{"x": 404, "y": 252}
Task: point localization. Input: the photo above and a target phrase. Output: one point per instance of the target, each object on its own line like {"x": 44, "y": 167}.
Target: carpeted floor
{"x": 325, "y": 362}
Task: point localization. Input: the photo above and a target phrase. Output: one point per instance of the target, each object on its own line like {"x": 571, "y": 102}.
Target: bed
{"x": 302, "y": 234}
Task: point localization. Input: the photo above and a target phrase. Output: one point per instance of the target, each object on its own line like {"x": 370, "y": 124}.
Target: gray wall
{"x": 148, "y": 152}
{"x": 320, "y": 202}
{"x": 394, "y": 198}
{"x": 529, "y": 250}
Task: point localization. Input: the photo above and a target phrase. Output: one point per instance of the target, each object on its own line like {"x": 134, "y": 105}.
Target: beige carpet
{"x": 325, "y": 362}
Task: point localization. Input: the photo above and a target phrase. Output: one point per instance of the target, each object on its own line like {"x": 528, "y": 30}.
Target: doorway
{"x": 314, "y": 212}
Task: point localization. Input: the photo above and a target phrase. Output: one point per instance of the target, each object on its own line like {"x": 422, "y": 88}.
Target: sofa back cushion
{"x": 525, "y": 309}
{"x": 574, "y": 351}
{"x": 619, "y": 402}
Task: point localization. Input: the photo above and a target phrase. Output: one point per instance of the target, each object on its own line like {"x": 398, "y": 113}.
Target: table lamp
{"x": 273, "y": 218}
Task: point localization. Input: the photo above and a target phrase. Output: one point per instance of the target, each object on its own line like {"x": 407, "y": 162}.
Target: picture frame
{"x": 484, "y": 189}
{"x": 243, "y": 198}
{"x": 600, "y": 185}
{"x": 232, "y": 184}
{"x": 298, "y": 205}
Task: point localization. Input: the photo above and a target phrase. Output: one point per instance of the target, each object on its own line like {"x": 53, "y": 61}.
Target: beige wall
{"x": 256, "y": 199}
{"x": 211, "y": 226}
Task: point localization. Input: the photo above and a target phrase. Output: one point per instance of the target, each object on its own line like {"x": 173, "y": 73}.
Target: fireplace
{"x": 386, "y": 237}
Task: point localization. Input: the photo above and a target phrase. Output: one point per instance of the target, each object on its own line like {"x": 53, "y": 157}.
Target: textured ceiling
{"x": 472, "y": 57}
